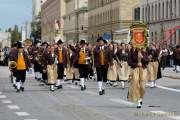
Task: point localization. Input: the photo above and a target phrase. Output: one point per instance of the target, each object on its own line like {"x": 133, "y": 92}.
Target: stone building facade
{"x": 52, "y": 20}
{"x": 163, "y": 20}
{"x": 75, "y": 20}
{"x": 36, "y": 8}
{"x": 112, "y": 17}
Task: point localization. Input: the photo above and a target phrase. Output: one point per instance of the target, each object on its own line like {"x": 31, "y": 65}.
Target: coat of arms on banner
{"x": 139, "y": 35}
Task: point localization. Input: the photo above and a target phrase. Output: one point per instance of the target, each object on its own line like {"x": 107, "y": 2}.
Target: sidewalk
{"x": 168, "y": 72}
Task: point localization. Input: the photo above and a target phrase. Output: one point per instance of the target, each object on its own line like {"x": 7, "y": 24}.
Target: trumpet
{"x": 12, "y": 64}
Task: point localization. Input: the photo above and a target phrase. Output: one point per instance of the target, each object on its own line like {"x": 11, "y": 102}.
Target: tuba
{"x": 12, "y": 64}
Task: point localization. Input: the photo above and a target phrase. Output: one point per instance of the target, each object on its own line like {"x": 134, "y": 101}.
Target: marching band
{"x": 106, "y": 62}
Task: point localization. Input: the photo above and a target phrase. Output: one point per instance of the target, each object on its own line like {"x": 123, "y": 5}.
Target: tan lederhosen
{"x": 153, "y": 70}
{"x": 137, "y": 84}
{"x": 52, "y": 74}
{"x": 112, "y": 72}
{"x": 123, "y": 71}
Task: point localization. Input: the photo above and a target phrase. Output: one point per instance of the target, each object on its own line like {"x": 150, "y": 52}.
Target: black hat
{"x": 177, "y": 47}
{"x": 44, "y": 43}
{"x": 82, "y": 42}
{"x": 36, "y": 42}
{"x": 14, "y": 44}
{"x": 19, "y": 44}
{"x": 59, "y": 42}
{"x": 101, "y": 38}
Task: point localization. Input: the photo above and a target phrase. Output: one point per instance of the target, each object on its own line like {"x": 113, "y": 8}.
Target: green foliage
{"x": 15, "y": 34}
{"x": 36, "y": 28}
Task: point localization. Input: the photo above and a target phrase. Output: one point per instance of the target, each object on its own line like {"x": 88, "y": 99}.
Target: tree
{"x": 36, "y": 28}
{"x": 15, "y": 34}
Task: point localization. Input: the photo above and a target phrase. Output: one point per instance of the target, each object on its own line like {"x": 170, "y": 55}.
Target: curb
{"x": 173, "y": 77}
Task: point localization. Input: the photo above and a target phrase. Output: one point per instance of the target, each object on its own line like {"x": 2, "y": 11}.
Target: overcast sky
{"x": 14, "y": 12}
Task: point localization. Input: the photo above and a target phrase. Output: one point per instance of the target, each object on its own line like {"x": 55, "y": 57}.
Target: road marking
{"x": 6, "y": 101}
{"x": 166, "y": 88}
{"x": 22, "y": 113}
{"x": 121, "y": 101}
{"x": 90, "y": 92}
{"x": 158, "y": 112}
{"x": 170, "y": 89}
{"x": 13, "y": 107}
{"x": 175, "y": 117}
{"x": 3, "y": 96}
{"x": 30, "y": 119}
{"x": 71, "y": 86}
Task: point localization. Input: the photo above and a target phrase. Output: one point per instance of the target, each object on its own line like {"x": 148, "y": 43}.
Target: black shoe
{"x": 84, "y": 87}
{"x": 141, "y": 102}
{"x": 18, "y": 90}
{"x": 138, "y": 107}
{"x": 100, "y": 93}
{"x": 59, "y": 87}
{"x": 76, "y": 83}
{"x": 103, "y": 92}
{"x": 22, "y": 89}
{"x": 39, "y": 79}
{"x": 35, "y": 78}
{"x": 52, "y": 90}
{"x": 15, "y": 87}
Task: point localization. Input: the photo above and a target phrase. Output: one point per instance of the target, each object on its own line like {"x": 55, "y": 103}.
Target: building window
{"x": 103, "y": 20}
{"x": 152, "y": 14}
{"x": 167, "y": 9}
{"x": 179, "y": 8}
{"x": 175, "y": 8}
{"x": 159, "y": 11}
{"x": 143, "y": 13}
{"x": 155, "y": 37}
{"x": 171, "y": 9}
{"x": 137, "y": 14}
{"x": 163, "y": 10}
{"x": 152, "y": 36}
{"x": 156, "y": 12}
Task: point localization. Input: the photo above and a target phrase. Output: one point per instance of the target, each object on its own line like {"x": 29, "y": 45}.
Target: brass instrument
{"x": 12, "y": 64}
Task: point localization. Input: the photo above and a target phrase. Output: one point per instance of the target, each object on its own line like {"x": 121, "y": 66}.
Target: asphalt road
{"x": 38, "y": 103}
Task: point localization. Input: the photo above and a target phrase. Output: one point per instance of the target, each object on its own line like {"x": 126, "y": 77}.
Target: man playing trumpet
{"x": 20, "y": 56}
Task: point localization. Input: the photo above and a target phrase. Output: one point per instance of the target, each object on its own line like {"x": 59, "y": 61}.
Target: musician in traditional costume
{"x": 153, "y": 64}
{"x": 36, "y": 60}
{"x": 83, "y": 57}
{"x": 102, "y": 61}
{"x": 74, "y": 63}
{"x": 123, "y": 67}
{"x": 12, "y": 64}
{"x": 51, "y": 67}
{"x": 44, "y": 47}
{"x": 138, "y": 61}
{"x": 176, "y": 59}
{"x": 69, "y": 70}
{"x": 112, "y": 74}
{"x": 23, "y": 64}
{"x": 61, "y": 54}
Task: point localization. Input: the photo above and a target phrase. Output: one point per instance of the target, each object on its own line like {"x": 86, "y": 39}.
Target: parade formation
{"x": 105, "y": 62}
